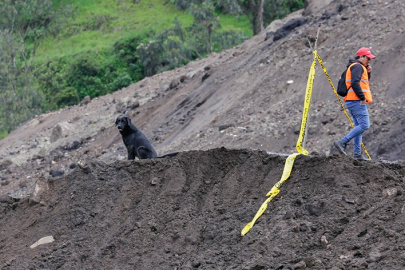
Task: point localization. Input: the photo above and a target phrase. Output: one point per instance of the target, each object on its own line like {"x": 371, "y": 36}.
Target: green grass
{"x": 229, "y": 22}
{"x": 100, "y": 23}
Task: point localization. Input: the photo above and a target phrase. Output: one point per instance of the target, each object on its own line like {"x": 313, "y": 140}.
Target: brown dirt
{"x": 187, "y": 212}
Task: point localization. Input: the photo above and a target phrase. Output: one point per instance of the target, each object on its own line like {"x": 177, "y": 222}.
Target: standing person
{"x": 358, "y": 96}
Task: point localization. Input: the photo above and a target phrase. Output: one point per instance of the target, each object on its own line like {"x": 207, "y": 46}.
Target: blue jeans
{"x": 361, "y": 123}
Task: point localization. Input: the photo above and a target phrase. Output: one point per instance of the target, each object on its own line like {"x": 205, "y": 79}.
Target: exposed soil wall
{"x": 187, "y": 212}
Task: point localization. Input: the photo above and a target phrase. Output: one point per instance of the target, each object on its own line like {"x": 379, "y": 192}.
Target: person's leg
{"x": 364, "y": 122}
{"x": 357, "y": 144}
{"x": 341, "y": 144}
{"x": 361, "y": 121}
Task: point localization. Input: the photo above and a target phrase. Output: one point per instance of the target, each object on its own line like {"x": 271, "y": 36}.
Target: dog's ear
{"x": 116, "y": 121}
{"x": 128, "y": 121}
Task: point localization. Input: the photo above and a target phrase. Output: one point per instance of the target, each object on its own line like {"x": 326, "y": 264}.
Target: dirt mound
{"x": 69, "y": 200}
{"x": 187, "y": 212}
{"x": 250, "y": 96}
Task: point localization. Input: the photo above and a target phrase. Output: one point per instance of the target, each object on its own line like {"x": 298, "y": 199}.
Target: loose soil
{"x": 187, "y": 212}
{"x": 234, "y": 117}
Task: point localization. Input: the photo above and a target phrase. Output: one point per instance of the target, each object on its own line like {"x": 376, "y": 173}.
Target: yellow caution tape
{"x": 337, "y": 96}
{"x": 301, "y": 139}
{"x": 263, "y": 208}
{"x": 300, "y": 148}
{"x": 273, "y": 192}
{"x": 286, "y": 173}
{"x": 305, "y": 112}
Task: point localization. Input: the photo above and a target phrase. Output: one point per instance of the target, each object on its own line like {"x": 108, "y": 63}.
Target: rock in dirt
{"x": 288, "y": 27}
{"x": 174, "y": 83}
{"x": 86, "y": 100}
{"x": 6, "y": 199}
{"x": 56, "y": 173}
{"x": 43, "y": 241}
{"x": 59, "y": 131}
{"x": 4, "y": 164}
{"x": 188, "y": 211}
{"x": 207, "y": 74}
{"x": 56, "y": 133}
{"x": 314, "y": 6}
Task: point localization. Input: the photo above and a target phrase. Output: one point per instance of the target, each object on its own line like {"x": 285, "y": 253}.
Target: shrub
{"x": 67, "y": 80}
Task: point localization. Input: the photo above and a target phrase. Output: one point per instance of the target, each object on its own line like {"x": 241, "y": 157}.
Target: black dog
{"x": 135, "y": 141}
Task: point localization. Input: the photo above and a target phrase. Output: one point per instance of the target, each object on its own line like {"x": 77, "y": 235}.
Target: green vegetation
{"x": 112, "y": 44}
{"x": 68, "y": 79}
{"x": 99, "y": 24}
{"x": 259, "y": 12}
{"x": 23, "y": 24}
{"x": 55, "y": 52}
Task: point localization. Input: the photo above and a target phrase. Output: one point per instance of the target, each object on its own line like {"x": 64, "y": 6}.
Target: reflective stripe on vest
{"x": 364, "y": 85}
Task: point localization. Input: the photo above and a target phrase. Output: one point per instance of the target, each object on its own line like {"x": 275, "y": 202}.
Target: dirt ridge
{"x": 187, "y": 212}
{"x": 251, "y": 97}
{"x": 234, "y": 116}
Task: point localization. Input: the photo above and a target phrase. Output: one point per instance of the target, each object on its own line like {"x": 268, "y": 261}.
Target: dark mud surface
{"x": 187, "y": 212}
{"x": 70, "y": 188}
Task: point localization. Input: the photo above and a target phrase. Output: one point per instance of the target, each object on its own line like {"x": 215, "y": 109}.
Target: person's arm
{"x": 369, "y": 72}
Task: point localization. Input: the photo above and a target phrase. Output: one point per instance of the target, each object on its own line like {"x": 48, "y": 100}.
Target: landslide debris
{"x": 187, "y": 212}
{"x": 250, "y": 96}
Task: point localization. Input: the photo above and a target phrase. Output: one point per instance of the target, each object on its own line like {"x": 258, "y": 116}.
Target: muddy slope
{"x": 250, "y": 96}
{"x": 187, "y": 212}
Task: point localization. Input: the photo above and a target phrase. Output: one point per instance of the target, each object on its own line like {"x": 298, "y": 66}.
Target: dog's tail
{"x": 169, "y": 155}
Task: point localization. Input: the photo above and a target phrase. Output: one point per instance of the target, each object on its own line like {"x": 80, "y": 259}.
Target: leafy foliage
{"x": 178, "y": 45}
{"x": 205, "y": 20}
{"x": 274, "y": 10}
{"x": 23, "y": 24}
{"x": 89, "y": 68}
{"x": 67, "y": 80}
{"x": 228, "y": 39}
{"x": 260, "y": 12}
{"x": 19, "y": 99}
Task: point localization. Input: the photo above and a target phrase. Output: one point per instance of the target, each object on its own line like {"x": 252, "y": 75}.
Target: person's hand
{"x": 369, "y": 69}
{"x": 362, "y": 102}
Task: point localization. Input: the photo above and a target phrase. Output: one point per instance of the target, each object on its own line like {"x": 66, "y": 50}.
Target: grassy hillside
{"x": 96, "y": 51}
{"x": 98, "y": 24}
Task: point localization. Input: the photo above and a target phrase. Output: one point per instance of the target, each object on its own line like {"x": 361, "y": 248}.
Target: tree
{"x": 260, "y": 12}
{"x": 23, "y": 24}
{"x": 279, "y": 9}
{"x": 178, "y": 45}
{"x": 204, "y": 16}
{"x": 168, "y": 50}
{"x": 205, "y": 21}
{"x": 260, "y": 15}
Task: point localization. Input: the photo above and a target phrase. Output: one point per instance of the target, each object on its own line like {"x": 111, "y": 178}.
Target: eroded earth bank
{"x": 187, "y": 212}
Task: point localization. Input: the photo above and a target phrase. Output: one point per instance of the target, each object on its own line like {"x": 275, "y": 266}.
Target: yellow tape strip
{"x": 305, "y": 112}
{"x": 273, "y": 192}
{"x": 301, "y": 139}
{"x": 337, "y": 96}
{"x": 300, "y": 148}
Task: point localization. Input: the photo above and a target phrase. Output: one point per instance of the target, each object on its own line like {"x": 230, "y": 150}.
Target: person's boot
{"x": 359, "y": 156}
{"x": 341, "y": 146}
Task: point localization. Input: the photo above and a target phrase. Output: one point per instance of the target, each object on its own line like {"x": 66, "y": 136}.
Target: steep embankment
{"x": 250, "y": 96}
{"x": 187, "y": 212}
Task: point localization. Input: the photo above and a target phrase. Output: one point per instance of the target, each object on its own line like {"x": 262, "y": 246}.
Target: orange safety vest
{"x": 364, "y": 84}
